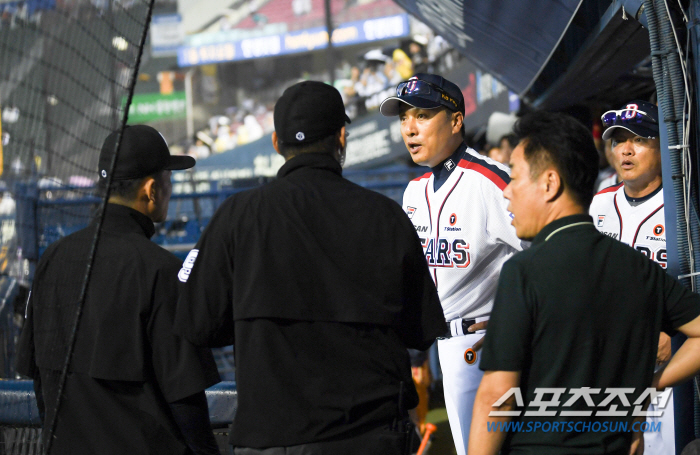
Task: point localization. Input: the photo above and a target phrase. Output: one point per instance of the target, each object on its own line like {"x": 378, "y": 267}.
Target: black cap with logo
{"x": 142, "y": 152}
{"x": 309, "y": 111}
{"x": 426, "y": 91}
{"x": 641, "y": 118}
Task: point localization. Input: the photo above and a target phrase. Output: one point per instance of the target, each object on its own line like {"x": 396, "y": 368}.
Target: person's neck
{"x": 449, "y": 149}
{"x": 561, "y": 209}
{"x": 137, "y": 205}
{"x": 641, "y": 189}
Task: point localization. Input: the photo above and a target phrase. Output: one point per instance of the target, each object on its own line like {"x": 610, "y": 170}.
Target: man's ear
{"x": 457, "y": 122}
{"x": 342, "y": 137}
{"x": 275, "y": 142}
{"x": 148, "y": 189}
{"x": 552, "y": 184}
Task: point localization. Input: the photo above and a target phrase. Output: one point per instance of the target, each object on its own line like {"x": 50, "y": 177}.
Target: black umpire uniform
{"x": 320, "y": 285}
{"x": 127, "y": 365}
{"x": 599, "y": 330}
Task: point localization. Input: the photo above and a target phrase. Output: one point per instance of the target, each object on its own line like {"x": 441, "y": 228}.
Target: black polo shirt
{"x": 320, "y": 285}
{"x": 579, "y": 309}
{"x": 127, "y": 363}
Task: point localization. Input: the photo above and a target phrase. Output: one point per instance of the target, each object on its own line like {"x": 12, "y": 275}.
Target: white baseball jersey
{"x": 465, "y": 229}
{"x": 642, "y": 227}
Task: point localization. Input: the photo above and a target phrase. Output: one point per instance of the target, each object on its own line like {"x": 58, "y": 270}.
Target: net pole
{"x": 51, "y": 427}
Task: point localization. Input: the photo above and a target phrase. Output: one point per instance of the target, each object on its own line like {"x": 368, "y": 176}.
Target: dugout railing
{"x": 20, "y": 423}
{"x": 63, "y": 210}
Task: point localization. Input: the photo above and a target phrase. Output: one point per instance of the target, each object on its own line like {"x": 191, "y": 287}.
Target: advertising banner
{"x": 294, "y": 42}
{"x": 148, "y": 107}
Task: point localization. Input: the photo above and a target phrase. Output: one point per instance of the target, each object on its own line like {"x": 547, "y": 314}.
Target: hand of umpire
{"x": 473, "y": 328}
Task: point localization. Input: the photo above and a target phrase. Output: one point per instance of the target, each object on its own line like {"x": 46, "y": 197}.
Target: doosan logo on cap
{"x": 300, "y": 136}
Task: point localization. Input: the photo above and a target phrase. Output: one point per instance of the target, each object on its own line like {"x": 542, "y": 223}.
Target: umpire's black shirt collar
{"x": 122, "y": 218}
{"x": 313, "y": 160}
{"x": 565, "y": 223}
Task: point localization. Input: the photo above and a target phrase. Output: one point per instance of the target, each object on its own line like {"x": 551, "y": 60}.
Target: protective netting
{"x": 67, "y": 71}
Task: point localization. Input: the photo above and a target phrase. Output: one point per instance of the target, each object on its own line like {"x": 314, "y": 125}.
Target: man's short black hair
{"x": 127, "y": 189}
{"x": 326, "y": 145}
{"x": 563, "y": 142}
{"x": 124, "y": 189}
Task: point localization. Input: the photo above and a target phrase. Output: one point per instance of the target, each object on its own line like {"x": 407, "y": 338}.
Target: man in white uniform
{"x": 460, "y": 215}
{"x": 633, "y": 213}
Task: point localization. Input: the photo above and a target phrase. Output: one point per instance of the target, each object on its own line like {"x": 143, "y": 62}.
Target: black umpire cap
{"x": 425, "y": 91}
{"x": 309, "y": 111}
{"x": 142, "y": 152}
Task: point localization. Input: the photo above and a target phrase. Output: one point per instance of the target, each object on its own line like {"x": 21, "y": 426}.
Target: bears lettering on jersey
{"x": 442, "y": 252}
{"x": 466, "y": 231}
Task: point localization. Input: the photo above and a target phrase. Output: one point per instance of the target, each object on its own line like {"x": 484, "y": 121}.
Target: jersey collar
{"x": 639, "y": 200}
{"x": 442, "y": 171}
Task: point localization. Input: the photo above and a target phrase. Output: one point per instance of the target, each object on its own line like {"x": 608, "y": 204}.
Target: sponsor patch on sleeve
{"x": 186, "y": 269}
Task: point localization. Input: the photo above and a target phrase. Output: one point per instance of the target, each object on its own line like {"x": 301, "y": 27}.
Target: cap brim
{"x": 390, "y": 107}
{"x": 179, "y": 162}
{"x": 637, "y": 130}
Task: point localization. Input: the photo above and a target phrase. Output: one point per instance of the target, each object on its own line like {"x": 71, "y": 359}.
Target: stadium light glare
{"x": 120, "y": 43}
{"x": 10, "y": 114}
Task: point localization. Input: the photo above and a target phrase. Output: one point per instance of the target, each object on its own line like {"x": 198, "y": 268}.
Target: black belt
{"x": 466, "y": 323}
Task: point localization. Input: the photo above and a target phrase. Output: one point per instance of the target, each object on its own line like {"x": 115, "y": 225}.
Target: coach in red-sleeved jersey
{"x": 460, "y": 215}
{"x": 633, "y": 212}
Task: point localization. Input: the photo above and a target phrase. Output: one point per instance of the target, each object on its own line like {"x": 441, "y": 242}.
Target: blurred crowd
{"x": 499, "y": 141}
{"x": 363, "y": 83}
{"x": 237, "y": 126}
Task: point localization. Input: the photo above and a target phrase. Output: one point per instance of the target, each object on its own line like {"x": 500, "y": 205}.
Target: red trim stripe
{"x": 619, "y": 216}
{"x": 443, "y": 204}
{"x": 634, "y": 240}
{"x": 424, "y": 176}
{"x": 437, "y": 227}
{"x": 610, "y": 189}
{"x": 486, "y": 172}
{"x": 430, "y": 217}
{"x": 427, "y": 200}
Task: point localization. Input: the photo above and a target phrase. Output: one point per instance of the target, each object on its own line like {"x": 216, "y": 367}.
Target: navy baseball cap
{"x": 426, "y": 91}
{"x": 142, "y": 152}
{"x": 641, "y": 118}
{"x": 308, "y": 111}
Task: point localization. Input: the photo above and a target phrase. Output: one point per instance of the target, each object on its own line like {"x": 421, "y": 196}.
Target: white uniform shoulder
{"x": 489, "y": 161}
{"x": 604, "y": 198}
{"x": 494, "y": 171}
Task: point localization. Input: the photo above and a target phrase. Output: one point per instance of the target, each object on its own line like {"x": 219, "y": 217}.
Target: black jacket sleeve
{"x": 192, "y": 417}
{"x": 204, "y": 313}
